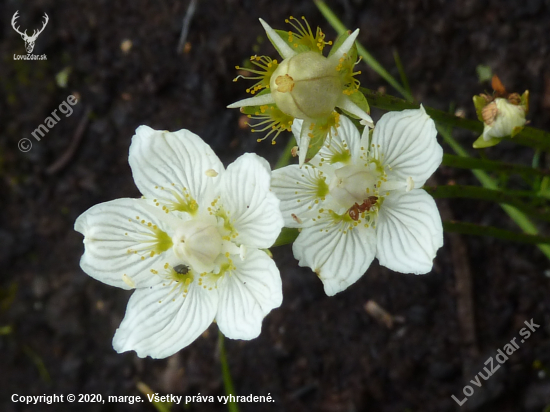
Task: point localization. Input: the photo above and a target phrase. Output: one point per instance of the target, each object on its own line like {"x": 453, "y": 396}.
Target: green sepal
{"x": 360, "y": 100}
{"x": 525, "y": 100}
{"x": 273, "y": 43}
{"x": 296, "y": 46}
{"x": 481, "y": 143}
{"x": 479, "y": 102}
{"x": 316, "y": 142}
{"x": 253, "y": 109}
{"x": 516, "y": 130}
{"x": 341, "y": 39}
{"x": 338, "y": 42}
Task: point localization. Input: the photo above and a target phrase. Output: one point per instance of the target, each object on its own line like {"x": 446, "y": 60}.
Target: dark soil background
{"x": 315, "y": 353}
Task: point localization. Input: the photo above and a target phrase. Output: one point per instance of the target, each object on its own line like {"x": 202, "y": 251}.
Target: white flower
{"x": 182, "y": 245}
{"x": 360, "y": 199}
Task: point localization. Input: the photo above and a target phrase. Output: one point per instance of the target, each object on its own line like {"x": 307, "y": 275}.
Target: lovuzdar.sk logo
{"x": 29, "y": 40}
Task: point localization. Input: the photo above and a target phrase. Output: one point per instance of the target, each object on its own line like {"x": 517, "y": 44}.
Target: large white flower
{"x": 359, "y": 198}
{"x": 189, "y": 246}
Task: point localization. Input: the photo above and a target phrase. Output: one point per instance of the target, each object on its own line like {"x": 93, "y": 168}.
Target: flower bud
{"x": 502, "y": 114}
{"x": 503, "y": 117}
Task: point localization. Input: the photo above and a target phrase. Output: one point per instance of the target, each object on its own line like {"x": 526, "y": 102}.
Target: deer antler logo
{"x": 29, "y": 40}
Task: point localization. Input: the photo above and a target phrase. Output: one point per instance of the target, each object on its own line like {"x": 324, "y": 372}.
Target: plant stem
{"x": 462, "y": 162}
{"x": 529, "y": 136}
{"x": 521, "y": 219}
{"x": 227, "y": 381}
{"x": 371, "y": 61}
{"x": 483, "y": 193}
{"x": 286, "y": 155}
{"x": 477, "y": 230}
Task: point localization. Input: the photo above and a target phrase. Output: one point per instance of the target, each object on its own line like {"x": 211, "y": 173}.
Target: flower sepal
{"x": 481, "y": 143}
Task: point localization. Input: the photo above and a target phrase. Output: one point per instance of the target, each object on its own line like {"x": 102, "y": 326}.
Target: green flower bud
{"x": 306, "y": 86}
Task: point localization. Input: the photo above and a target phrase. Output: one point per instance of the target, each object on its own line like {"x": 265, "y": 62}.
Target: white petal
{"x": 345, "y": 46}
{"x": 253, "y": 209}
{"x": 406, "y": 142}
{"x": 111, "y": 230}
{"x": 345, "y": 141}
{"x": 164, "y": 163}
{"x": 409, "y": 232}
{"x": 344, "y": 102}
{"x": 304, "y": 140}
{"x": 160, "y": 321}
{"x": 297, "y": 129}
{"x": 247, "y": 295}
{"x": 298, "y": 189}
{"x": 282, "y": 47}
{"x": 344, "y": 138}
{"x": 253, "y": 101}
{"x": 338, "y": 258}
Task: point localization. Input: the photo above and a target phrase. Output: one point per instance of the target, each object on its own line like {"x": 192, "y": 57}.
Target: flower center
{"x": 353, "y": 184}
{"x": 198, "y": 242}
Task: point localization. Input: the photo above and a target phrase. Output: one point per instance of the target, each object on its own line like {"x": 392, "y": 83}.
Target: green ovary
{"x": 322, "y": 188}
{"x": 163, "y": 241}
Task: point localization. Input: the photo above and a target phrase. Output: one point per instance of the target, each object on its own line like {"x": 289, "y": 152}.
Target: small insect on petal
{"x": 181, "y": 269}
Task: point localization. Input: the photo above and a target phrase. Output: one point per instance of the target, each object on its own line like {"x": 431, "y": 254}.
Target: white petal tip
{"x": 368, "y": 123}
{"x": 354, "y": 34}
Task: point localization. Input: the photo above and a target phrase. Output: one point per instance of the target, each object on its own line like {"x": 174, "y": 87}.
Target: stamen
{"x": 273, "y": 119}
{"x": 305, "y": 36}
{"x": 266, "y": 65}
